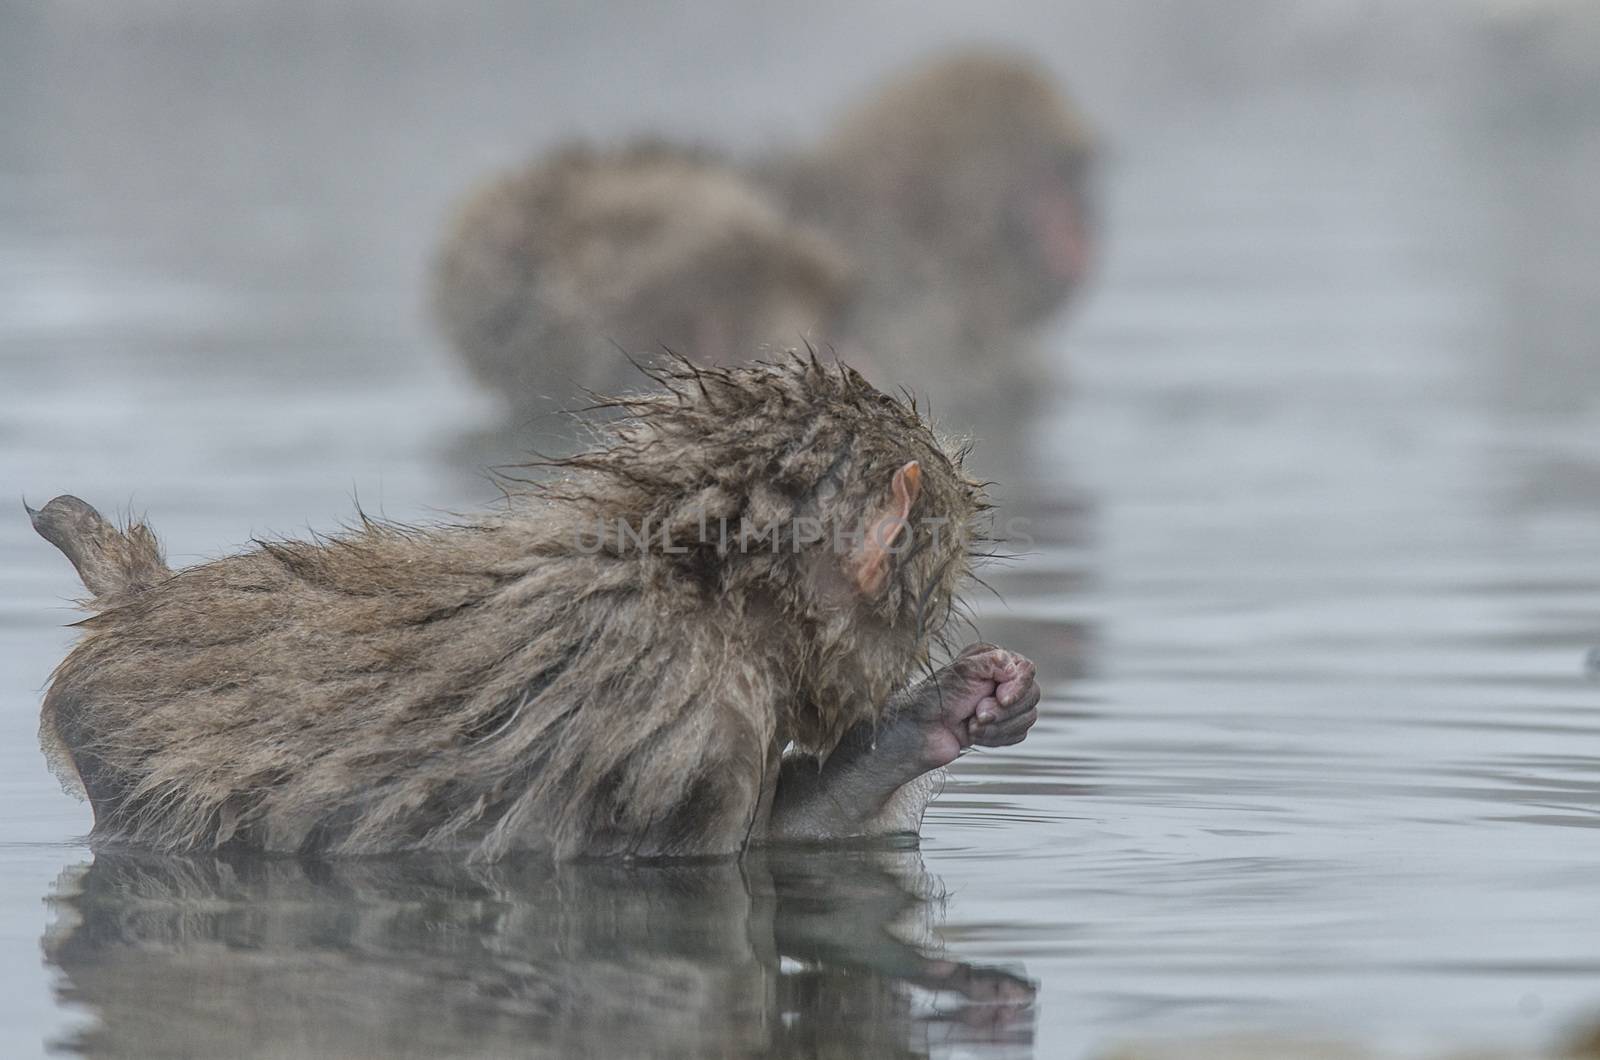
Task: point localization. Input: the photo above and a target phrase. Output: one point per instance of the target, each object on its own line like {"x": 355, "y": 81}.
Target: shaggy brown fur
{"x": 545, "y": 272}
{"x": 538, "y": 680}
{"x": 961, "y": 189}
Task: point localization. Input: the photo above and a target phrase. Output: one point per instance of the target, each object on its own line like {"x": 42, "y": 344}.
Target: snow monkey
{"x": 701, "y": 633}
{"x": 550, "y": 276}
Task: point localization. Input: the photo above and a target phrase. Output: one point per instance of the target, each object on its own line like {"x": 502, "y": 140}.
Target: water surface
{"x": 1315, "y": 563}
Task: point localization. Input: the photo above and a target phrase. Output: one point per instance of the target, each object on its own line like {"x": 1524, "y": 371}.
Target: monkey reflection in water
{"x": 788, "y": 952}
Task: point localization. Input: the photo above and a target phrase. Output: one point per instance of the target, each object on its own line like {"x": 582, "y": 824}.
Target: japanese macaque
{"x": 550, "y": 277}
{"x": 961, "y": 191}
{"x": 754, "y": 557}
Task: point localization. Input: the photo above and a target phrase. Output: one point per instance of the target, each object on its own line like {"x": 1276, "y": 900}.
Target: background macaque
{"x": 938, "y": 221}
{"x": 961, "y": 191}
{"x": 550, "y": 277}
{"x": 612, "y": 666}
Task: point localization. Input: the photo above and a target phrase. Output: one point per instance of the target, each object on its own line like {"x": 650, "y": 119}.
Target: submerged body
{"x": 591, "y": 672}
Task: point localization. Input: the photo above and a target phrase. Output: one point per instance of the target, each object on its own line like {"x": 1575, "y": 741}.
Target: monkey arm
{"x": 866, "y": 787}
{"x": 880, "y": 778}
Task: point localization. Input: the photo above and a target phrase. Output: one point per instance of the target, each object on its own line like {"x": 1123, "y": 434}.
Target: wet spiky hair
{"x": 762, "y": 446}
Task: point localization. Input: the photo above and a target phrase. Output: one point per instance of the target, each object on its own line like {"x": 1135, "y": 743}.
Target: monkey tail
{"x": 110, "y": 561}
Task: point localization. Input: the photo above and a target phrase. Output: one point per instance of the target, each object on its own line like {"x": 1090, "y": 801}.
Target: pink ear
{"x": 907, "y": 487}
{"x": 872, "y": 561}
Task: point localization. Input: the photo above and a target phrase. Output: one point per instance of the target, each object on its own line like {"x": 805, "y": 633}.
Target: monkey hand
{"x": 875, "y": 782}
{"x": 986, "y": 697}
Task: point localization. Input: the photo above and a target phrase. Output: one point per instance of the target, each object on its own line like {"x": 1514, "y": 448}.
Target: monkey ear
{"x": 871, "y": 564}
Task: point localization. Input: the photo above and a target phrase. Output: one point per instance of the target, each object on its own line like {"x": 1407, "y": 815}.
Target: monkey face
{"x": 968, "y": 174}
{"x": 931, "y": 557}
{"x": 1050, "y": 225}
{"x": 915, "y": 514}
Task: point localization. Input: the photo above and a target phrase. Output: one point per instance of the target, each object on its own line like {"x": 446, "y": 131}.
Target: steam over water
{"x": 1315, "y": 514}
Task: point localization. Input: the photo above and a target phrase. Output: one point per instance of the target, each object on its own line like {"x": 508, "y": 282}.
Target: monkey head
{"x": 797, "y": 493}
{"x": 986, "y": 165}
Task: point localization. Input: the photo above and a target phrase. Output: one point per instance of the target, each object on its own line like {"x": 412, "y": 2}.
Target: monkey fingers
{"x": 1009, "y": 724}
{"x": 1016, "y": 686}
{"x": 976, "y": 675}
{"x": 1007, "y": 675}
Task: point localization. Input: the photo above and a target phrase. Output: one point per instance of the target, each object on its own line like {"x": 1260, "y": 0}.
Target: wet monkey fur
{"x": 597, "y": 670}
